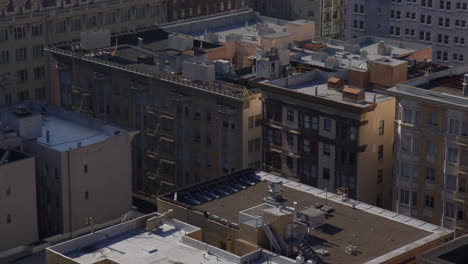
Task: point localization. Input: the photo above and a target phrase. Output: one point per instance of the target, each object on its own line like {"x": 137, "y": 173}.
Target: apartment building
{"x": 440, "y": 23}
{"x": 319, "y": 132}
{"x": 76, "y": 159}
{"x": 183, "y": 9}
{"x": 26, "y": 27}
{"x": 184, "y": 86}
{"x": 329, "y": 16}
{"x": 294, "y": 220}
{"x": 18, "y": 214}
{"x": 430, "y": 149}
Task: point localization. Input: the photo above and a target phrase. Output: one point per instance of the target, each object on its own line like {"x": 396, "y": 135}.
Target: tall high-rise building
{"x": 440, "y": 23}
{"x": 329, "y": 16}
{"x": 431, "y": 148}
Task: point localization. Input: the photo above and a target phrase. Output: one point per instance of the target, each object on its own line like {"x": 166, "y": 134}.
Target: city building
{"x": 431, "y": 128}
{"x": 154, "y": 238}
{"x": 77, "y": 158}
{"x": 27, "y": 27}
{"x": 183, "y": 9}
{"x": 18, "y": 214}
{"x": 439, "y": 23}
{"x": 294, "y": 219}
{"x": 184, "y": 85}
{"x": 329, "y": 16}
{"x": 452, "y": 252}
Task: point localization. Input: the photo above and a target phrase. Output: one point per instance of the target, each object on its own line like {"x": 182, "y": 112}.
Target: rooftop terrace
{"x": 378, "y": 234}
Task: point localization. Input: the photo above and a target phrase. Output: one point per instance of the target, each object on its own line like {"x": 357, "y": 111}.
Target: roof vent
{"x": 22, "y": 110}
{"x": 276, "y": 190}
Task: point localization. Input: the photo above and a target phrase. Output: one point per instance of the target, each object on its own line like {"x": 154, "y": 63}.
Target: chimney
{"x": 336, "y": 84}
{"x": 140, "y": 42}
{"x": 354, "y": 95}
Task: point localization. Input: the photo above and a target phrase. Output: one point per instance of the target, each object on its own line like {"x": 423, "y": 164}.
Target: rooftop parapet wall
{"x": 209, "y": 87}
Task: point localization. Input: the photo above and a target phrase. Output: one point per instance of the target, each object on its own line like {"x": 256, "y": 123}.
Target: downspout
{"x": 444, "y": 187}
{"x": 69, "y": 194}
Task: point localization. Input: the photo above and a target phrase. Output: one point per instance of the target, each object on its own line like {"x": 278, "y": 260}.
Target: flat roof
{"x": 453, "y": 252}
{"x": 64, "y": 130}
{"x": 377, "y": 233}
{"x": 443, "y": 87}
{"x": 65, "y": 135}
{"x": 12, "y": 156}
{"x": 129, "y": 242}
{"x": 315, "y": 83}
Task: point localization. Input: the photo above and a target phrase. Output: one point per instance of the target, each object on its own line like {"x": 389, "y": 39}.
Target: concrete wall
{"x": 368, "y": 163}
{"x": 18, "y": 200}
{"x": 107, "y": 181}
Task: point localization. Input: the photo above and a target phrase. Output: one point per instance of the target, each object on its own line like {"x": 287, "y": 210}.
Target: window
{"x": 306, "y": 121}
{"x": 306, "y": 146}
{"x": 406, "y": 143}
{"x": 431, "y": 148}
{"x": 454, "y": 127}
{"x": 379, "y": 176}
{"x": 250, "y": 146}
{"x": 38, "y": 50}
{"x": 327, "y": 124}
{"x": 314, "y": 123}
{"x": 85, "y": 168}
{"x": 3, "y": 34}
{"x": 8, "y": 219}
{"x": 451, "y": 183}
{"x": 433, "y": 119}
{"x": 326, "y": 149}
{"x": 20, "y": 33}
{"x": 36, "y": 30}
{"x": 22, "y": 75}
{"x": 4, "y": 57}
{"x": 257, "y": 145}
{"x": 290, "y": 115}
{"x": 381, "y": 152}
{"x": 430, "y": 175}
{"x": 407, "y": 116}
{"x": 405, "y": 170}
{"x": 461, "y": 185}
{"x": 290, "y": 139}
{"x": 208, "y": 116}
{"x": 404, "y": 196}
{"x": 414, "y": 199}
{"x": 429, "y": 201}
{"x": 450, "y": 210}
{"x": 21, "y": 54}
{"x": 452, "y": 155}
{"x": 352, "y": 133}
{"x": 86, "y": 195}
{"x": 381, "y": 127}
{"x": 39, "y": 73}
{"x": 460, "y": 212}
{"x": 277, "y": 140}
{"x": 289, "y": 162}
{"x": 326, "y": 173}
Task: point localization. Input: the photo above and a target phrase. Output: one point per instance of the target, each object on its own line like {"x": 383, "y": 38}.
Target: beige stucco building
{"x": 18, "y": 214}
{"x": 431, "y": 127}
{"x": 83, "y": 166}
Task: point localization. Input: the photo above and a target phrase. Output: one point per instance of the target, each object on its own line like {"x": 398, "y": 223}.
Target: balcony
{"x": 461, "y": 197}
{"x": 462, "y": 140}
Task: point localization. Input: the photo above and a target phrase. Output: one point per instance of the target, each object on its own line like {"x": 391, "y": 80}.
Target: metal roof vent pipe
{"x": 140, "y": 42}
